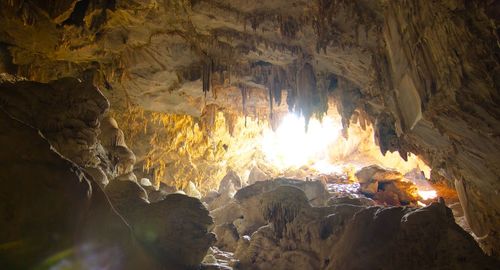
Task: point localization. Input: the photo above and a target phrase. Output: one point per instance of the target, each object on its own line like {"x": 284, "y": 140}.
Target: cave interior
{"x": 250, "y": 134}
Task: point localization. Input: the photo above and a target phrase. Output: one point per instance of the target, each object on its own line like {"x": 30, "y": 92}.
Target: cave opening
{"x": 217, "y": 134}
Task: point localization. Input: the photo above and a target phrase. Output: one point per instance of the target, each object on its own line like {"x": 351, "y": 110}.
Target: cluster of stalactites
{"x": 214, "y": 74}
{"x": 281, "y": 206}
{"x": 307, "y": 95}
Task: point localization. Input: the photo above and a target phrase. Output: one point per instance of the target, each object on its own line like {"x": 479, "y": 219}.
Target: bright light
{"x": 324, "y": 166}
{"x": 427, "y": 194}
{"x": 291, "y": 146}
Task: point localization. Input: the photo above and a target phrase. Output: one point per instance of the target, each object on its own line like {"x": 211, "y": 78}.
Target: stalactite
{"x": 244, "y": 95}
{"x": 230, "y": 120}
{"x": 306, "y": 92}
{"x": 288, "y": 26}
{"x": 270, "y": 91}
{"x": 208, "y": 117}
{"x": 206, "y": 75}
{"x": 280, "y": 82}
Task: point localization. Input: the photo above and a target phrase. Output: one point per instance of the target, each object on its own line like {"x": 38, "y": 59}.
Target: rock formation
{"x": 386, "y": 186}
{"x": 174, "y": 230}
{"x": 53, "y": 213}
{"x": 68, "y": 112}
{"x": 73, "y": 207}
{"x": 157, "y": 89}
{"x": 344, "y": 236}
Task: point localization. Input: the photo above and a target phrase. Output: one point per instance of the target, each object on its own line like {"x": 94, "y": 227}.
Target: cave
{"x": 280, "y": 134}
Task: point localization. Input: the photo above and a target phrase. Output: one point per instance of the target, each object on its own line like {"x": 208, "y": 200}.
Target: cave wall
{"x": 54, "y": 210}
{"x": 443, "y": 69}
{"x": 53, "y": 213}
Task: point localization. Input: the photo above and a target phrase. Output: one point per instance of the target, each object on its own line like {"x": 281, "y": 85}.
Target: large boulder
{"x": 386, "y": 186}
{"x": 175, "y": 229}
{"x": 315, "y": 191}
{"x": 249, "y": 199}
{"x": 377, "y": 173}
{"x": 426, "y": 238}
{"x": 281, "y": 206}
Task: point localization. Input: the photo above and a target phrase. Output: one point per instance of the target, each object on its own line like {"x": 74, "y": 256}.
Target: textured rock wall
{"x": 443, "y": 66}
{"x": 53, "y": 214}
{"x": 49, "y": 201}
{"x": 68, "y": 112}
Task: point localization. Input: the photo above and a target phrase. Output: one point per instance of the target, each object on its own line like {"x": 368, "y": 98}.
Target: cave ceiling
{"x": 154, "y": 53}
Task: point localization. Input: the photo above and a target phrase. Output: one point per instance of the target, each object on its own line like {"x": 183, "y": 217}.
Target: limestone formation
{"x": 256, "y": 175}
{"x": 249, "y": 199}
{"x": 68, "y": 112}
{"x": 53, "y": 214}
{"x": 231, "y": 178}
{"x": 355, "y": 237}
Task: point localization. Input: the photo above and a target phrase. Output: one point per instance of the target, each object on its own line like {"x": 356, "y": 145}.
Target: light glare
{"x": 291, "y": 146}
{"x": 427, "y": 194}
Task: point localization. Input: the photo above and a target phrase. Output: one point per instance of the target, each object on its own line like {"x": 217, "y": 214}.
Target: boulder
{"x": 377, "y": 173}
{"x": 231, "y": 178}
{"x": 256, "y": 175}
{"x": 405, "y": 191}
{"x": 192, "y": 191}
{"x": 227, "y": 236}
{"x": 352, "y": 237}
{"x": 361, "y": 201}
{"x": 386, "y": 186}
{"x": 282, "y": 205}
{"x": 174, "y": 229}
{"x": 249, "y": 199}
{"x": 315, "y": 190}
{"x": 227, "y": 213}
{"x": 369, "y": 188}
{"x": 425, "y": 238}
